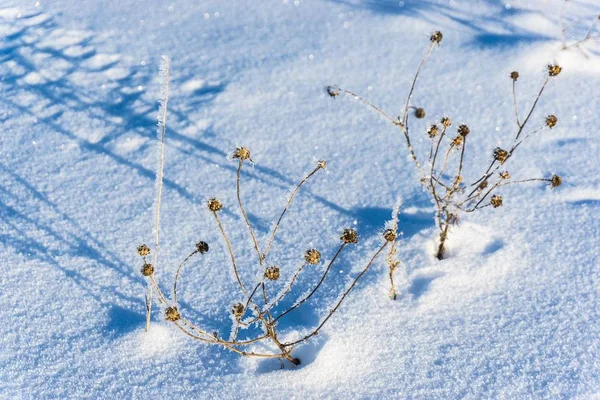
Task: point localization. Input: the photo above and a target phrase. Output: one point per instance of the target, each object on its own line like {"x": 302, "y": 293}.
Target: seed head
{"x": 463, "y": 130}
{"x": 500, "y": 155}
{"x": 147, "y": 269}
{"x": 446, "y": 122}
{"x": 322, "y": 164}
{"x": 389, "y": 235}
{"x": 496, "y": 201}
{"x": 349, "y": 236}
{"x": 332, "y": 91}
{"x": 420, "y": 113}
{"x": 551, "y": 121}
{"x": 312, "y": 256}
{"x": 457, "y": 141}
{"x": 202, "y": 247}
{"x": 504, "y": 175}
{"x": 514, "y": 75}
{"x": 143, "y": 250}
{"x": 556, "y": 181}
{"x": 237, "y": 310}
{"x": 215, "y": 205}
{"x": 554, "y": 69}
{"x": 172, "y": 314}
{"x": 436, "y": 37}
{"x": 432, "y": 131}
{"x": 241, "y": 153}
{"x": 272, "y": 273}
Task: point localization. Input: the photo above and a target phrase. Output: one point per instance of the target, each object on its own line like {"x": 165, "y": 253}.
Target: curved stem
{"x": 239, "y": 197}
{"x": 230, "y": 249}
{"x": 177, "y": 276}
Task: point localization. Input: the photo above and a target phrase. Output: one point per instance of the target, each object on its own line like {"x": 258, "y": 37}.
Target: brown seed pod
{"x": 432, "y": 131}
{"x": 500, "y": 155}
{"x": 514, "y": 75}
{"x": 554, "y": 69}
{"x": 446, "y": 122}
{"x": 241, "y": 153}
{"x": 420, "y": 113}
{"x": 172, "y": 314}
{"x": 237, "y": 310}
{"x": 504, "y": 175}
{"x": 202, "y": 247}
{"x": 556, "y": 181}
{"x": 457, "y": 141}
{"x": 389, "y": 235}
{"x": 332, "y": 91}
{"x": 312, "y": 256}
{"x": 147, "y": 269}
{"x": 496, "y": 201}
{"x": 463, "y": 130}
{"x": 551, "y": 121}
{"x": 272, "y": 273}
{"x": 215, "y": 205}
{"x": 349, "y": 236}
{"x": 322, "y": 164}
{"x": 436, "y": 37}
{"x": 143, "y": 250}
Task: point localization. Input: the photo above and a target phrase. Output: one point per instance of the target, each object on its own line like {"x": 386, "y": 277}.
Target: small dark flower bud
{"x": 349, "y": 236}
{"x": 332, "y": 91}
{"x": 504, "y": 175}
{"x": 215, "y": 205}
{"x": 500, "y": 155}
{"x": 202, "y": 247}
{"x": 496, "y": 201}
{"x": 389, "y": 235}
{"x": 143, "y": 250}
{"x": 457, "y": 141}
{"x": 272, "y": 273}
{"x": 420, "y": 113}
{"x": 554, "y": 69}
{"x": 322, "y": 164}
{"x": 446, "y": 122}
{"x": 172, "y": 314}
{"x": 551, "y": 121}
{"x": 463, "y": 130}
{"x": 312, "y": 256}
{"x": 514, "y": 75}
{"x": 436, "y": 37}
{"x": 147, "y": 269}
{"x": 432, "y": 131}
{"x": 556, "y": 181}
{"x": 237, "y": 310}
{"x": 241, "y": 153}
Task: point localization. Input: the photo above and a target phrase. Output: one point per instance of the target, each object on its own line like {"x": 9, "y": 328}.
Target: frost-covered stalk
{"x": 162, "y": 128}
{"x": 448, "y": 191}
{"x": 564, "y": 28}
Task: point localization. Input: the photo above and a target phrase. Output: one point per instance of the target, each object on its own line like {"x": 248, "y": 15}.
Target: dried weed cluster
{"x": 255, "y": 318}
{"x": 442, "y": 175}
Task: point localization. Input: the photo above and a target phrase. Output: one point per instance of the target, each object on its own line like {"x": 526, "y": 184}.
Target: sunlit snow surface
{"x": 513, "y": 313}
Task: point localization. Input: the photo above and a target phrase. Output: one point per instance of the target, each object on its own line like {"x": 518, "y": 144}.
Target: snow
{"x": 512, "y": 313}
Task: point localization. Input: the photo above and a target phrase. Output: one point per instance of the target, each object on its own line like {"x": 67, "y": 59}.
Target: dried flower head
{"x": 556, "y": 181}
{"x": 514, "y": 75}
{"x": 322, "y": 164}
{"x": 551, "y": 121}
{"x": 272, "y": 273}
{"x": 349, "y": 236}
{"x": 420, "y": 113}
{"x": 215, "y": 205}
{"x": 504, "y": 175}
{"x": 241, "y": 153}
{"x": 554, "y": 69}
{"x": 496, "y": 201}
{"x": 172, "y": 314}
{"x": 432, "y": 131}
{"x": 147, "y": 269}
{"x": 143, "y": 250}
{"x": 237, "y": 310}
{"x": 332, "y": 91}
{"x": 312, "y": 256}
{"x": 446, "y": 122}
{"x": 457, "y": 141}
{"x": 436, "y": 37}
{"x": 463, "y": 130}
{"x": 389, "y": 235}
{"x": 500, "y": 155}
{"x": 202, "y": 247}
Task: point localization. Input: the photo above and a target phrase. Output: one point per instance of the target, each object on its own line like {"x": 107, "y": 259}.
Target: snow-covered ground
{"x": 513, "y": 313}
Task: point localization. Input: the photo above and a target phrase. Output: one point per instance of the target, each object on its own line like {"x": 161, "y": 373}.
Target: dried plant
{"x": 254, "y": 331}
{"x": 591, "y": 34}
{"x": 451, "y": 195}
